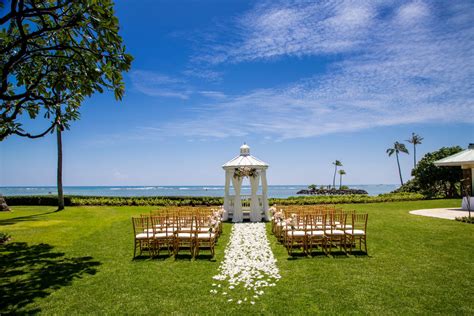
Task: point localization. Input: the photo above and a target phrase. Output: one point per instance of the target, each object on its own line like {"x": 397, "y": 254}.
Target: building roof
{"x": 462, "y": 158}
{"x": 245, "y": 160}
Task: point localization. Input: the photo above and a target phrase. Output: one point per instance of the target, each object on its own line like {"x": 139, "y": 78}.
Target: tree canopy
{"x": 53, "y": 54}
{"x": 438, "y": 181}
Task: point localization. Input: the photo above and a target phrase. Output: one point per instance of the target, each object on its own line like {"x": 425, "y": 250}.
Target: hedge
{"x": 203, "y": 200}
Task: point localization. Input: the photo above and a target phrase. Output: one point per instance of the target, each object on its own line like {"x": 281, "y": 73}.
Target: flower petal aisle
{"x": 248, "y": 266}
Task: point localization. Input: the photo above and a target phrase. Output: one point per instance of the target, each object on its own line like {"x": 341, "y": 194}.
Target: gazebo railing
{"x": 245, "y": 200}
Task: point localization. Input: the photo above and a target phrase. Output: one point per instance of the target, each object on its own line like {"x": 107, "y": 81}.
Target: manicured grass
{"x": 79, "y": 261}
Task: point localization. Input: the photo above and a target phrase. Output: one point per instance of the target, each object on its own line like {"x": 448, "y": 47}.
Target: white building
{"x": 238, "y": 206}
{"x": 465, "y": 160}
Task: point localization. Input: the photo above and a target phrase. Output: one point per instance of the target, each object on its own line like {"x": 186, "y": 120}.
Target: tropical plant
{"x": 336, "y": 164}
{"x": 312, "y": 186}
{"x": 54, "y": 54}
{"x": 341, "y": 173}
{"x": 415, "y": 140}
{"x": 434, "y": 181}
{"x": 396, "y": 149}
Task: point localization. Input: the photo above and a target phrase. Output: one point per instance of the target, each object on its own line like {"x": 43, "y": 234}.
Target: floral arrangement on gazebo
{"x": 245, "y": 172}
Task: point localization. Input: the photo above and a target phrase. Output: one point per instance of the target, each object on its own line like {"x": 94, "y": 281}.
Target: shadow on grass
{"x": 178, "y": 257}
{"x": 335, "y": 254}
{"x": 19, "y": 219}
{"x": 31, "y": 272}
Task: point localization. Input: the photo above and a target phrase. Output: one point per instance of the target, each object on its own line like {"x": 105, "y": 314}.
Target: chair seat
{"x": 204, "y": 229}
{"x": 335, "y": 232}
{"x": 185, "y": 235}
{"x": 205, "y": 235}
{"x": 161, "y": 235}
{"x": 143, "y": 236}
{"x": 315, "y": 233}
{"x": 296, "y": 233}
{"x": 347, "y": 226}
{"x": 357, "y": 232}
{"x": 184, "y": 229}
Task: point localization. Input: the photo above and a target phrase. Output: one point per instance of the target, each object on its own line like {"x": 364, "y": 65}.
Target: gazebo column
{"x": 237, "y": 215}
{"x": 255, "y": 211}
{"x": 263, "y": 174}
{"x": 468, "y": 183}
{"x": 228, "y": 175}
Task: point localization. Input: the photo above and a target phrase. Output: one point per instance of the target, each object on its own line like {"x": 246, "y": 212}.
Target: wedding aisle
{"x": 249, "y": 265}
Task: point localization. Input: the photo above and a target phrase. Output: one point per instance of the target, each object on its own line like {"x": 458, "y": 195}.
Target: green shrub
{"x": 51, "y": 200}
{"x": 465, "y": 219}
{"x": 205, "y": 200}
{"x": 4, "y": 238}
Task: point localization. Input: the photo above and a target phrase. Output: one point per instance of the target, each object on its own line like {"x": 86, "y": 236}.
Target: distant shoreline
{"x": 274, "y": 191}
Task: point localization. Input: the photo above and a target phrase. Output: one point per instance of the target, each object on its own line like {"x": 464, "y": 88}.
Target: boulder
{"x": 3, "y": 205}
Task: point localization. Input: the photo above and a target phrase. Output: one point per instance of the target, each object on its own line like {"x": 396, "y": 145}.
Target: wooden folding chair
{"x": 143, "y": 235}
{"x": 163, "y": 237}
{"x": 184, "y": 235}
{"x": 315, "y": 232}
{"x": 295, "y": 233}
{"x": 335, "y": 237}
{"x": 358, "y": 231}
{"x": 205, "y": 238}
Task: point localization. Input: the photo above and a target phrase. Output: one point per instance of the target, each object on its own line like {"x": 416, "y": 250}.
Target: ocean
{"x": 276, "y": 191}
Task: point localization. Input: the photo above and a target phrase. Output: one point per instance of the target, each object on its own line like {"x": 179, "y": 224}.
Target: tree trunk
{"x": 60, "y": 170}
{"x": 334, "y": 178}
{"x": 414, "y": 156}
{"x": 399, "y": 169}
{"x": 340, "y": 182}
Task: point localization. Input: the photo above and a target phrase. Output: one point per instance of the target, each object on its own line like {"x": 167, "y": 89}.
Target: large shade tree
{"x": 53, "y": 54}
{"x": 396, "y": 149}
{"x": 435, "y": 181}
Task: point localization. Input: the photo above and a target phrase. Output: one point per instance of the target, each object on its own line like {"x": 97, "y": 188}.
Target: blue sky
{"x": 303, "y": 83}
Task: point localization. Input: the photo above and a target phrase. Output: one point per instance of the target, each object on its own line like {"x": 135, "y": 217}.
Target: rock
{"x": 3, "y": 205}
{"x": 332, "y": 192}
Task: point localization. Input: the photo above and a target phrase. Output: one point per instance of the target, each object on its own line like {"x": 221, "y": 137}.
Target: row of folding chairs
{"x": 175, "y": 232}
{"x": 325, "y": 229}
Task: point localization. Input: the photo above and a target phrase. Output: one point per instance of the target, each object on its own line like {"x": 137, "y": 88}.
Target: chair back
{"x": 359, "y": 221}
{"x": 142, "y": 225}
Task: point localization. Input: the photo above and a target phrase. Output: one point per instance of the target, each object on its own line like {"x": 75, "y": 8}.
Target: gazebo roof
{"x": 463, "y": 158}
{"x": 245, "y": 160}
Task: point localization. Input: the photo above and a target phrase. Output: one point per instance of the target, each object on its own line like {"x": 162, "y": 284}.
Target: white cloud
{"x": 213, "y": 94}
{"x": 393, "y": 73}
{"x": 296, "y": 29}
{"x": 156, "y": 84}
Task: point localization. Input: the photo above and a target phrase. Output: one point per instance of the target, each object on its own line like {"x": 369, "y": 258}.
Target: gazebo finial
{"x": 244, "y": 149}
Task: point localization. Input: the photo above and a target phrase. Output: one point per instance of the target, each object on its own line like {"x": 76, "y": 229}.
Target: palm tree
{"x": 398, "y": 148}
{"x": 336, "y": 164}
{"x": 341, "y": 173}
{"x": 415, "y": 140}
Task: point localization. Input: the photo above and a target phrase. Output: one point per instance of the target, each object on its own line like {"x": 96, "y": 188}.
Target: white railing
{"x": 245, "y": 200}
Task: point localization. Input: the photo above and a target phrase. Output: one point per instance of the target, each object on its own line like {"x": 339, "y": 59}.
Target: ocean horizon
{"x": 275, "y": 191}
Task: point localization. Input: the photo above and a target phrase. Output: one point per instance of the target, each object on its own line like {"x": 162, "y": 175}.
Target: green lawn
{"x": 79, "y": 261}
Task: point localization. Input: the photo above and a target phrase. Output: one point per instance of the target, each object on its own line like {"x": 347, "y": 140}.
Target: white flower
{"x": 248, "y": 259}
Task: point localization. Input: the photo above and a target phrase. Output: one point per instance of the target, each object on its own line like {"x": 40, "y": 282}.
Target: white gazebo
{"x": 465, "y": 160}
{"x": 238, "y": 206}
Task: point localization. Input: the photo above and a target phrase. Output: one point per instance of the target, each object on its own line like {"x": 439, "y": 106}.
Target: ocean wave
{"x": 138, "y": 188}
